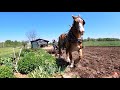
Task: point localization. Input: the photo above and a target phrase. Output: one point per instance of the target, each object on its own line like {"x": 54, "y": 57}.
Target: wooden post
{"x": 17, "y": 60}
{"x": 14, "y": 53}
{"x": 3, "y": 44}
{"x": 19, "y": 54}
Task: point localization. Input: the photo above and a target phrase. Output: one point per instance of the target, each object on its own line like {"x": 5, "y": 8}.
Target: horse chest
{"x": 75, "y": 48}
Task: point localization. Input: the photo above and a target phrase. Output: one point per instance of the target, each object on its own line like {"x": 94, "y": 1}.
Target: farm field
{"x": 101, "y": 43}
{"x": 8, "y": 51}
{"x": 97, "y": 62}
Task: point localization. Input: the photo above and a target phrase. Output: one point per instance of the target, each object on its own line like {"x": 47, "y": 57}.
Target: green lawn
{"x": 7, "y": 51}
{"x": 101, "y": 43}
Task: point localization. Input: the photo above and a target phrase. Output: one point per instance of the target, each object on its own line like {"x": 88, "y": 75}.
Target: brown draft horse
{"x": 72, "y": 41}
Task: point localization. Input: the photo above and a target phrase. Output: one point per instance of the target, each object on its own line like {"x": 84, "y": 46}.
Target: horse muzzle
{"x": 81, "y": 32}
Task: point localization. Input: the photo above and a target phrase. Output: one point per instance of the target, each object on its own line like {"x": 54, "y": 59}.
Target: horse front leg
{"x": 72, "y": 61}
{"x": 60, "y": 52}
{"x": 80, "y": 53}
{"x": 67, "y": 56}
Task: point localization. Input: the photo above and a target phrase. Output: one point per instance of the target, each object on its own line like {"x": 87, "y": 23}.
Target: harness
{"x": 71, "y": 38}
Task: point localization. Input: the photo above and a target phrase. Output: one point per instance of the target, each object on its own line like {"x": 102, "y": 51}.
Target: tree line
{"x": 10, "y": 43}
{"x": 101, "y": 39}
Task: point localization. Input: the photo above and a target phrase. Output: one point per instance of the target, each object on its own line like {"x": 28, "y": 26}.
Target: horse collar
{"x": 73, "y": 39}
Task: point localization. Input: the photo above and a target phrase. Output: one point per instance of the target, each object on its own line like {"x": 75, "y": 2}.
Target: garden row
{"x": 35, "y": 63}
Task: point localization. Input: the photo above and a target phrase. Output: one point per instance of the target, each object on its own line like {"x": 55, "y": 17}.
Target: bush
{"x": 28, "y": 63}
{"x": 35, "y": 61}
{"x": 47, "y": 68}
{"x": 7, "y": 61}
{"x": 6, "y": 72}
{"x": 25, "y": 51}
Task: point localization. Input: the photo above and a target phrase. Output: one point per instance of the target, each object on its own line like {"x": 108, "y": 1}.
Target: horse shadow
{"x": 77, "y": 60}
{"x": 61, "y": 63}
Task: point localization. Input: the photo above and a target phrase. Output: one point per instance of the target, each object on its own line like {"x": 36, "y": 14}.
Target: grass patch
{"x": 101, "y": 43}
{"x": 7, "y": 51}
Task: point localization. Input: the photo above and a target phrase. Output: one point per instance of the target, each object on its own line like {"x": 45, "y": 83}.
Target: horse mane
{"x": 83, "y": 21}
{"x": 73, "y": 23}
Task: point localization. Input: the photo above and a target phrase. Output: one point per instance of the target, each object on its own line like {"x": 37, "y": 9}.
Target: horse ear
{"x": 79, "y": 15}
{"x": 73, "y": 16}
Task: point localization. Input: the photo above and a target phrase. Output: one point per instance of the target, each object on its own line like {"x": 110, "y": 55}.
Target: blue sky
{"x": 49, "y": 25}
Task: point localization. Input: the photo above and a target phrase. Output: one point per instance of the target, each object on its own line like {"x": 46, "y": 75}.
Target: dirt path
{"x": 48, "y": 48}
{"x": 18, "y": 75}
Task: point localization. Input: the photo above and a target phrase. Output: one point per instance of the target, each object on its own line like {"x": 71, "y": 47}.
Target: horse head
{"x": 78, "y": 24}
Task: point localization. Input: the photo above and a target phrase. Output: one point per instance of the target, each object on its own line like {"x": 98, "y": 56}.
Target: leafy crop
{"x": 6, "y": 72}
{"x": 38, "y": 63}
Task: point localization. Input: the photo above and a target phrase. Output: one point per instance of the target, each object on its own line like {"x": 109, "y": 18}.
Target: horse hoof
{"x": 80, "y": 57}
{"x": 71, "y": 66}
{"x": 68, "y": 60}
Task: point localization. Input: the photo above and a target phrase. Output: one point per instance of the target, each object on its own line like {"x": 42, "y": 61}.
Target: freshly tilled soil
{"x": 97, "y": 62}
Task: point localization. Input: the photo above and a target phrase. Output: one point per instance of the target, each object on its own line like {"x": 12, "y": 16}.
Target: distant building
{"x": 39, "y": 43}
